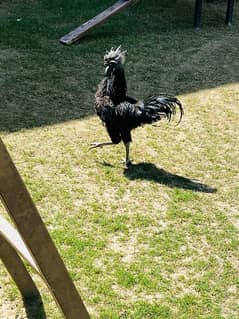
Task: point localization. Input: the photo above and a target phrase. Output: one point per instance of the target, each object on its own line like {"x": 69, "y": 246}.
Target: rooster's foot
{"x": 95, "y": 145}
{"x": 127, "y": 163}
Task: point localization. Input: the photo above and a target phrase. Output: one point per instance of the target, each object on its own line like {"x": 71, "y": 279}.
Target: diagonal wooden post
{"x": 17, "y": 269}
{"x": 24, "y": 213}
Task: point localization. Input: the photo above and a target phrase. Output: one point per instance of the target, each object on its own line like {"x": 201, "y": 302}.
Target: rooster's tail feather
{"x": 161, "y": 106}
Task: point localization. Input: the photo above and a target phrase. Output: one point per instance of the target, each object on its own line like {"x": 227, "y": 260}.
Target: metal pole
{"x": 229, "y": 14}
{"x": 197, "y": 14}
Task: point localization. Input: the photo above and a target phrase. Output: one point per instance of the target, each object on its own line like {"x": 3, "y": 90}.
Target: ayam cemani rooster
{"x": 121, "y": 113}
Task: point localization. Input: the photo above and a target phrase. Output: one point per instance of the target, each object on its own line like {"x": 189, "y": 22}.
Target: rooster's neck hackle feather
{"x": 115, "y": 83}
{"x": 115, "y": 56}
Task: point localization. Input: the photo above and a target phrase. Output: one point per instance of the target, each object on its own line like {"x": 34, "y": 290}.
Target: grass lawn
{"x": 161, "y": 239}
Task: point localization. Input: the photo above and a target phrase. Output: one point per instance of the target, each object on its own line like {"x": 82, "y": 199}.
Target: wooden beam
{"x": 14, "y": 239}
{"x": 17, "y": 269}
{"x": 82, "y": 30}
{"x": 32, "y": 230}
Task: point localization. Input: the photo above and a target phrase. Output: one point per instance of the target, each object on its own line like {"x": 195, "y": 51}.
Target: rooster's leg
{"x": 127, "y": 160}
{"x": 95, "y": 145}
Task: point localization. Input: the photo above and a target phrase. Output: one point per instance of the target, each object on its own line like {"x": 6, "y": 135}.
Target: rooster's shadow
{"x": 148, "y": 171}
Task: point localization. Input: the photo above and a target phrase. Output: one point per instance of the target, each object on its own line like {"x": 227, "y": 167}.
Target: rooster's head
{"x": 114, "y": 59}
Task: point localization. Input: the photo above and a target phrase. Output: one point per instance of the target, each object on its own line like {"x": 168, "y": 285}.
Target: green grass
{"x": 159, "y": 240}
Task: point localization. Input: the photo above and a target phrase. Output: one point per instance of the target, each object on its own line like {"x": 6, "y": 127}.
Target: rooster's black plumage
{"x": 121, "y": 113}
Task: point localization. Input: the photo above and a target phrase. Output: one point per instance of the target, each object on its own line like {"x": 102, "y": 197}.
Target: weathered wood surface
{"x": 17, "y": 269}
{"x": 32, "y": 230}
{"x": 82, "y": 30}
{"x": 11, "y": 235}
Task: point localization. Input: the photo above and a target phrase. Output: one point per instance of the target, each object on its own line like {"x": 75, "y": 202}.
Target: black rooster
{"x": 121, "y": 113}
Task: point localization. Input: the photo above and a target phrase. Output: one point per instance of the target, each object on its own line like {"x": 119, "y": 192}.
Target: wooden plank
{"x": 23, "y": 212}
{"x": 14, "y": 239}
{"x": 82, "y": 30}
{"x": 17, "y": 269}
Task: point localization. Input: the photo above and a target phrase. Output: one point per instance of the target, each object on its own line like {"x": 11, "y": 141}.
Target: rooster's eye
{"x": 106, "y": 61}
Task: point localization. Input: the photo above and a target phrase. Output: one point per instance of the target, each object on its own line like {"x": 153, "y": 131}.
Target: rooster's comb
{"x": 117, "y": 55}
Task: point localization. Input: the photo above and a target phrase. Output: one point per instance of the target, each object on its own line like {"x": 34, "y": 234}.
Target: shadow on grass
{"x": 148, "y": 171}
{"x": 34, "y": 307}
